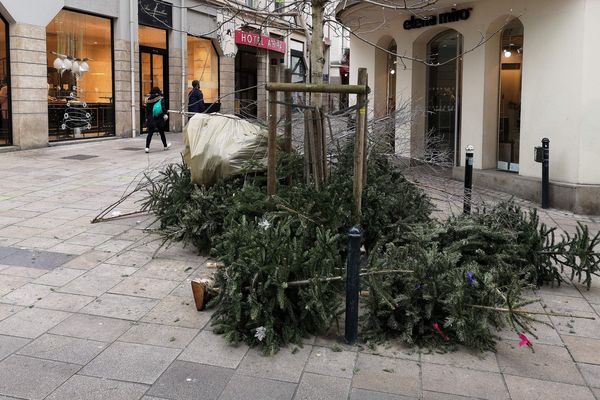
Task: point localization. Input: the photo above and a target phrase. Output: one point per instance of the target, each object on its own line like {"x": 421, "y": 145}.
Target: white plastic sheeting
{"x": 217, "y": 146}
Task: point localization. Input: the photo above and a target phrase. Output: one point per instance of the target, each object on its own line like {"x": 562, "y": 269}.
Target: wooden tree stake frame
{"x": 361, "y": 90}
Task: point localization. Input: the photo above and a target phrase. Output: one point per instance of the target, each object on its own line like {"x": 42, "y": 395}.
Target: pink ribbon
{"x": 436, "y": 326}
{"x": 525, "y": 341}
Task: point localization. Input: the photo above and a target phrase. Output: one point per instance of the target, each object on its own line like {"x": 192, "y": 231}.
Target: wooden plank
{"x": 306, "y": 149}
{"x": 272, "y": 141}
{"x": 323, "y": 144}
{"x": 359, "y": 147}
{"x": 317, "y": 88}
{"x": 318, "y": 143}
{"x": 287, "y": 99}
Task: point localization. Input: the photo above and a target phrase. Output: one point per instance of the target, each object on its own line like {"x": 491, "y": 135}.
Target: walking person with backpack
{"x": 156, "y": 117}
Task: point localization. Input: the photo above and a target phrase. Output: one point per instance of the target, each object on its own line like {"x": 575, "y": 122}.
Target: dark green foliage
{"x": 187, "y": 212}
{"x": 261, "y": 257}
{"x": 390, "y": 201}
{"x": 169, "y": 193}
{"x": 531, "y": 241}
{"x": 469, "y": 275}
{"x": 581, "y": 253}
{"x": 306, "y": 241}
{"x": 455, "y": 265}
{"x": 468, "y": 272}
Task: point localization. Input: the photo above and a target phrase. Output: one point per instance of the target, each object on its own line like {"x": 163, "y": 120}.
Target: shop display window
{"x": 80, "y": 76}
{"x": 203, "y": 65}
{"x": 5, "y": 114}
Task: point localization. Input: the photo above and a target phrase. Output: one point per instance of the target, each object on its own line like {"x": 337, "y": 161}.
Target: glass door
{"x": 509, "y": 113}
{"x": 443, "y": 98}
{"x": 153, "y": 73}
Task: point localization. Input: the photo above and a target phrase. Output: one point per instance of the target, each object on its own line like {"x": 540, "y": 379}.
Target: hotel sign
{"x": 260, "y": 41}
{"x": 444, "y": 18}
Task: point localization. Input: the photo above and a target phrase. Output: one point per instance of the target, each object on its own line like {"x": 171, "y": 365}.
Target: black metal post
{"x": 352, "y": 284}
{"x": 546, "y": 173}
{"x": 468, "y": 179}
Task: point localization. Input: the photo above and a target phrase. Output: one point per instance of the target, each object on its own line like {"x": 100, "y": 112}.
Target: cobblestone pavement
{"x": 87, "y": 313}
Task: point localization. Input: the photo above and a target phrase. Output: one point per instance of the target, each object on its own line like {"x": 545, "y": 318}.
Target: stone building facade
{"x": 80, "y": 69}
{"x": 498, "y": 75}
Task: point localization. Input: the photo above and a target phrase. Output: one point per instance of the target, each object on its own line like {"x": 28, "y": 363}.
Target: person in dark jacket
{"x": 156, "y": 117}
{"x": 196, "y": 98}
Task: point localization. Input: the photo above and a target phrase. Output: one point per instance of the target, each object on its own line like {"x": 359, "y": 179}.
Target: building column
{"x": 122, "y": 95}
{"x": 262, "y": 63}
{"x": 29, "y": 81}
{"x": 472, "y": 107}
{"x": 175, "y": 89}
{"x": 227, "y": 84}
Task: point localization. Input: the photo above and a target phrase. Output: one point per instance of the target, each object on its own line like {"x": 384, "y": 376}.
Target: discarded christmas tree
{"x": 284, "y": 257}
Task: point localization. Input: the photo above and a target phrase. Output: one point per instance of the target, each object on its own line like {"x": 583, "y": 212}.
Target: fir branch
{"x": 531, "y": 312}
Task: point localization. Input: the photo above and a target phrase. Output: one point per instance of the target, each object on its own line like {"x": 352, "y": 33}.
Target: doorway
{"x": 444, "y": 81}
{"x": 246, "y": 93}
{"x": 509, "y": 103}
{"x": 153, "y": 73}
{"x": 154, "y": 66}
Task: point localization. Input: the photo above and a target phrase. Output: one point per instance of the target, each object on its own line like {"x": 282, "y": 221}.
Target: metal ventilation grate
{"x": 79, "y": 157}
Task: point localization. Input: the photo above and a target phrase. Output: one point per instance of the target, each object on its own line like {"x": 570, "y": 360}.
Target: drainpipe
{"x": 132, "y": 24}
{"x": 183, "y": 62}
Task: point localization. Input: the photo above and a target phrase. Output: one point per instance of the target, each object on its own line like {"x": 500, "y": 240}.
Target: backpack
{"x": 157, "y": 109}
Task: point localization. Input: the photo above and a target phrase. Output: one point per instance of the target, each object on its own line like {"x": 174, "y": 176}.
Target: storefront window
{"x": 80, "y": 76}
{"x": 203, "y": 65}
{"x": 5, "y": 118}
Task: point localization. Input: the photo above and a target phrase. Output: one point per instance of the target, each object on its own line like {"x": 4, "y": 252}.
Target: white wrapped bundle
{"x": 217, "y": 146}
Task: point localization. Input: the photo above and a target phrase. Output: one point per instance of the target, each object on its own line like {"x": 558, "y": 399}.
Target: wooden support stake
{"x": 318, "y": 144}
{"x": 287, "y": 99}
{"x": 317, "y": 88}
{"x": 359, "y": 147}
{"x": 320, "y": 126}
{"x": 272, "y": 143}
{"x": 306, "y": 148}
{"x": 363, "y": 99}
{"x": 312, "y": 144}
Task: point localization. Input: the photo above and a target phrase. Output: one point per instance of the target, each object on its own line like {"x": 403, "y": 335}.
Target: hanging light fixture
{"x": 507, "y": 53}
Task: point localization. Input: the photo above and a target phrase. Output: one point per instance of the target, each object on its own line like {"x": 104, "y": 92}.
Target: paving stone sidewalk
{"x": 86, "y": 312}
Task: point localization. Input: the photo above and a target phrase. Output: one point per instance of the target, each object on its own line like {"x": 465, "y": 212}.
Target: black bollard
{"x": 353, "y": 284}
{"x": 546, "y": 173}
{"x": 468, "y": 179}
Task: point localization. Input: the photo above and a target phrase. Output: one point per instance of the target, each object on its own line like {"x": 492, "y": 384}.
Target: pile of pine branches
{"x": 284, "y": 257}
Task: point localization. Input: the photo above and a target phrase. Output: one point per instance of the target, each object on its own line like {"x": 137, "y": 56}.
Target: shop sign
{"x": 155, "y": 13}
{"x": 444, "y": 18}
{"x": 256, "y": 40}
